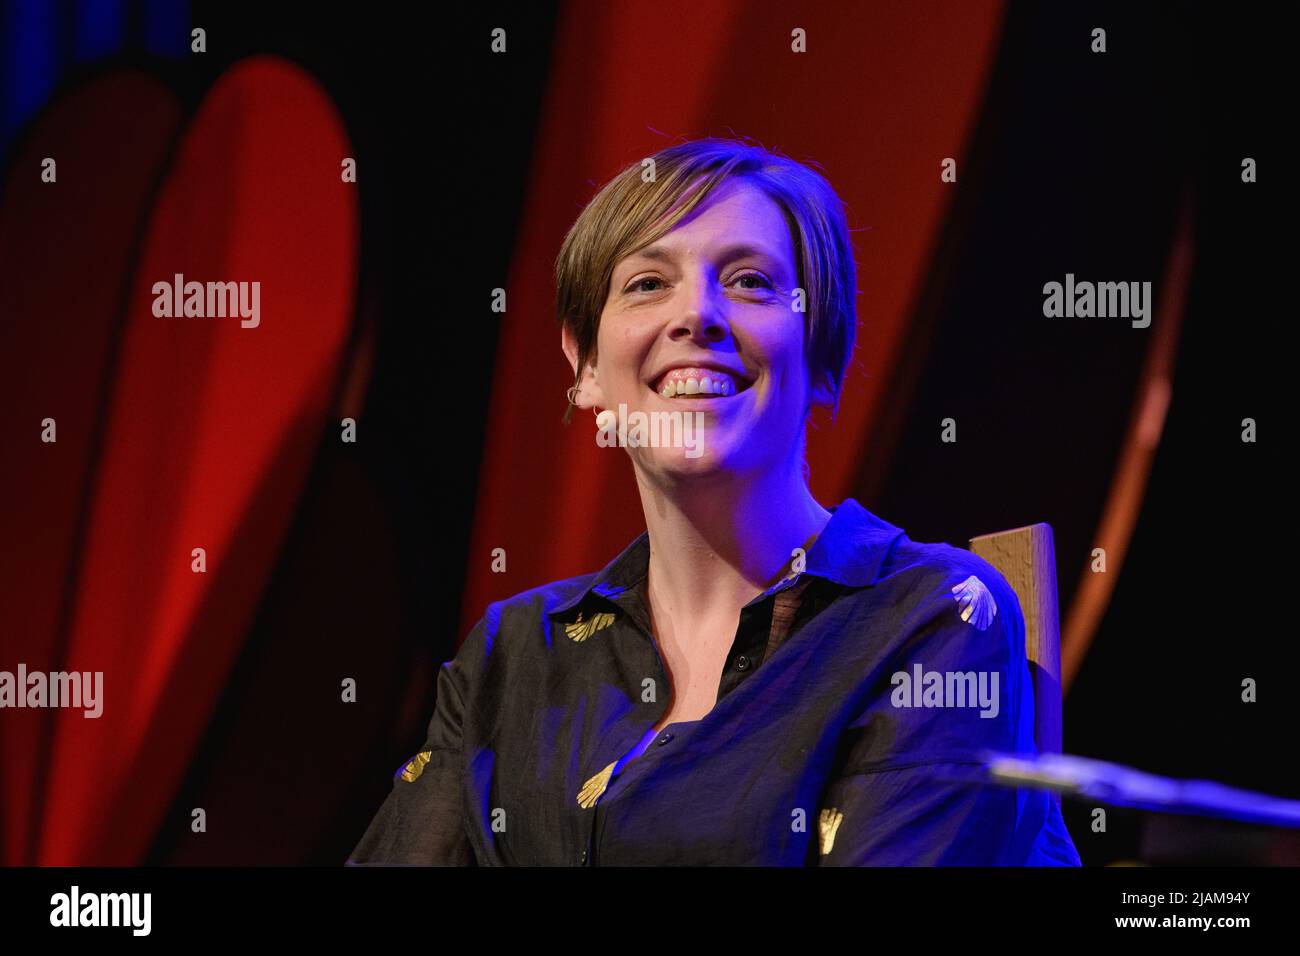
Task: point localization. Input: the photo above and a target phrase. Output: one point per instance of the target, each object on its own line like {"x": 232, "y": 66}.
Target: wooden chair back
{"x": 1027, "y": 559}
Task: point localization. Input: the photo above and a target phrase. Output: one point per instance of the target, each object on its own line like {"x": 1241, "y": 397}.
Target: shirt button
{"x": 742, "y": 663}
{"x": 583, "y": 858}
{"x": 664, "y": 739}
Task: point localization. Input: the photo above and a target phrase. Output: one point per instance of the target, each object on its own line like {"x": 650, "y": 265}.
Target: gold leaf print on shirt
{"x": 580, "y": 630}
{"x": 976, "y": 602}
{"x": 593, "y": 788}
{"x": 415, "y": 766}
{"x": 828, "y": 823}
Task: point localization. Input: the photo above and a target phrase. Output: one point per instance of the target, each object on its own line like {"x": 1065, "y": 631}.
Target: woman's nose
{"x": 702, "y": 313}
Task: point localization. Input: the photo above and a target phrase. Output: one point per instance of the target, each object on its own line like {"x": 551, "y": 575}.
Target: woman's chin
{"x": 682, "y": 464}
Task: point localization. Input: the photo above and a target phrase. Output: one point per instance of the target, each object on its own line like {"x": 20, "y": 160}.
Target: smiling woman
{"x": 781, "y": 244}
{"x": 749, "y": 634}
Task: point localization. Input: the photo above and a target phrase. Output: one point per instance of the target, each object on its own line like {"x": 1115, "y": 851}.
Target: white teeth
{"x": 722, "y": 385}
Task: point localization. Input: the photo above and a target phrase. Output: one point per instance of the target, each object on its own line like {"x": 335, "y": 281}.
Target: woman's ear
{"x": 823, "y": 391}
{"x": 570, "y": 346}
{"x": 589, "y": 394}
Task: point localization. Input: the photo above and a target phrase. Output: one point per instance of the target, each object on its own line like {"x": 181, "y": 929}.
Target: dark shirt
{"x": 816, "y": 753}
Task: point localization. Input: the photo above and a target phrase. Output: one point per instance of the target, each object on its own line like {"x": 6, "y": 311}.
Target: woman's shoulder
{"x": 953, "y": 611}
{"x": 922, "y": 570}
{"x": 529, "y": 611}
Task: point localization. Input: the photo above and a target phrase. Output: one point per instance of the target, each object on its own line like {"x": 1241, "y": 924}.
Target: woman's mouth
{"x": 694, "y": 382}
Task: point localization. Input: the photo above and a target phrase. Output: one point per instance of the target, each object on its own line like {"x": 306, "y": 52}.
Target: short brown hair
{"x": 629, "y": 213}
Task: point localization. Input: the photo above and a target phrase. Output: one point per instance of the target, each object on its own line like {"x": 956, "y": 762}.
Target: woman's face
{"x": 713, "y": 298}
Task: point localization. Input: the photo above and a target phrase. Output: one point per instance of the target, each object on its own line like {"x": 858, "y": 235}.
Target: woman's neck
{"x": 717, "y": 545}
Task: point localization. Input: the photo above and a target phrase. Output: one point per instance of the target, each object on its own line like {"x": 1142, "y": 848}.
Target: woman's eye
{"x": 760, "y": 281}
{"x": 749, "y": 281}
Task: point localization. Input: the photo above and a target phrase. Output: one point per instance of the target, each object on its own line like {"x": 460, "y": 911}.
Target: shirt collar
{"x": 851, "y": 550}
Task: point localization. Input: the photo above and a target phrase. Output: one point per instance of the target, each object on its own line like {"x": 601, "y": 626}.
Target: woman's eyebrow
{"x": 738, "y": 250}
